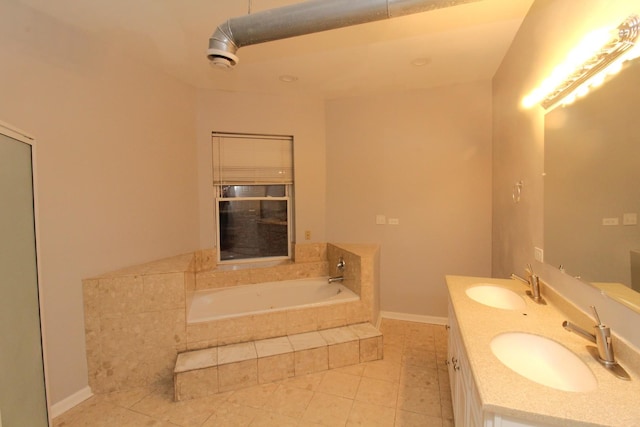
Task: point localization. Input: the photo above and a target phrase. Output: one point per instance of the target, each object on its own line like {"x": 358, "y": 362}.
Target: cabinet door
{"x": 467, "y": 409}
{"x": 458, "y": 392}
{"x": 22, "y": 387}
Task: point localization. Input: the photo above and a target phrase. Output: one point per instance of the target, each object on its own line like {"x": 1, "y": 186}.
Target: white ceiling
{"x": 462, "y": 43}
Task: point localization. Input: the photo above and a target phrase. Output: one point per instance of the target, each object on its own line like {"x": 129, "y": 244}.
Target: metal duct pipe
{"x": 308, "y": 17}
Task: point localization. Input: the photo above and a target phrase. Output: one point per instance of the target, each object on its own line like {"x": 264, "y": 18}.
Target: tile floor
{"x": 410, "y": 387}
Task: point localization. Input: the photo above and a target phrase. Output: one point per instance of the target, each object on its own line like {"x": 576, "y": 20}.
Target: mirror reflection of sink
{"x": 496, "y": 296}
{"x": 544, "y": 361}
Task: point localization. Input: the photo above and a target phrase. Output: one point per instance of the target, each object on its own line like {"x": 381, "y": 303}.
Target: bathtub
{"x": 244, "y": 300}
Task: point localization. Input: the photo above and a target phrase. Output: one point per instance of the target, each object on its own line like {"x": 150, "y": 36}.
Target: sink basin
{"x": 495, "y": 296}
{"x": 544, "y": 361}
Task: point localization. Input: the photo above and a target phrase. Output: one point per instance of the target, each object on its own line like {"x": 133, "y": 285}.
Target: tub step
{"x": 200, "y": 373}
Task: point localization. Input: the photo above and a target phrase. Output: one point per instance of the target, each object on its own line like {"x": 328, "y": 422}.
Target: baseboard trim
{"x": 69, "y": 402}
{"x": 414, "y": 317}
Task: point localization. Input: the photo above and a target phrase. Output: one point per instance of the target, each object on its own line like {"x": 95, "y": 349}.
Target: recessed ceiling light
{"x": 421, "y": 62}
{"x": 288, "y": 78}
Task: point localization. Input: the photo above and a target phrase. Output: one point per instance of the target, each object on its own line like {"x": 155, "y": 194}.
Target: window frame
{"x": 288, "y": 198}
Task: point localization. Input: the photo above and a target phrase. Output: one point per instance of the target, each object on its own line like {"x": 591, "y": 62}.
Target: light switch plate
{"x": 538, "y": 254}
{"x": 610, "y": 221}
{"x": 381, "y": 219}
{"x": 394, "y": 221}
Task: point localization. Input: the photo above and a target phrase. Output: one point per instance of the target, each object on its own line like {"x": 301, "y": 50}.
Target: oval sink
{"x": 495, "y": 296}
{"x": 544, "y": 361}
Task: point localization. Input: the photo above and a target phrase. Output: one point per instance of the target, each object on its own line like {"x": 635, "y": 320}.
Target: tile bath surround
{"x": 135, "y": 318}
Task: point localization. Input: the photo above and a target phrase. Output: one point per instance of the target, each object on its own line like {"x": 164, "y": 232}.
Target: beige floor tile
{"x": 328, "y": 410}
{"x": 447, "y": 409}
{"x": 289, "y": 401}
{"x": 392, "y": 326}
{"x": 357, "y": 370}
{"x": 156, "y": 404}
{"x": 256, "y": 396}
{"x": 415, "y": 376}
{"x": 420, "y": 359}
{"x": 377, "y": 392}
{"x": 128, "y": 398}
{"x": 194, "y": 412}
{"x": 412, "y": 419}
{"x": 382, "y": 370}
{"x": 99, "y": 413}
{"x": 368, "y": 415}
{"x": 392, "y": 353}
{"x": 309, "y": 382}
{"x": 271, "y": 419}
{"x": 339, "y": 384}
{"x": 421, "y": 400}
{"x": 393, "y": 339}
{"x": 232, "y": 415}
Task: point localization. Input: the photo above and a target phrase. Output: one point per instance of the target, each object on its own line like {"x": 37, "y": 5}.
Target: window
{"x": 253, "y": 182}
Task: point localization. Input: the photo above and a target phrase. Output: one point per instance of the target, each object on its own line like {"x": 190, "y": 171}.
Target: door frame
{"x": 22, "y": 136}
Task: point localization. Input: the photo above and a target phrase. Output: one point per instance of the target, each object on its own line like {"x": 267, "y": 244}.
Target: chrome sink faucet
{"x": 602, "y": 339}
{"x": 533, "y": 281}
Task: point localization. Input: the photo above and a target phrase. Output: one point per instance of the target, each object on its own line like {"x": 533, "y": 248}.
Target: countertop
{"x": 502, "y": 391}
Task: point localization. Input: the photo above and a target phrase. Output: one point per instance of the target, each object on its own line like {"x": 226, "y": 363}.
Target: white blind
{"x": 252, "y": 159}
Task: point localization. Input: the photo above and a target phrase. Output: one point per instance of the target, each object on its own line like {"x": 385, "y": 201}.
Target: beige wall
{"x": 280, "y": 115}
{"x": 116, "y": 182}
{"x": 423, "y": 157}
{"x": 549, "y": 31}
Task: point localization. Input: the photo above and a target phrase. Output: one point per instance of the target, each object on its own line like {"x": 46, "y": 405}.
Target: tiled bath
{"x": 135, "y": 318}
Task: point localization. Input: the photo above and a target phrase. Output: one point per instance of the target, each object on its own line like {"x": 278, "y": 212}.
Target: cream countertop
{"x": 503, "y": 391}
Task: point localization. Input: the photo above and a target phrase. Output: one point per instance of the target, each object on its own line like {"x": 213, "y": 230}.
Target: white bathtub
{"x": 244, "y": 300}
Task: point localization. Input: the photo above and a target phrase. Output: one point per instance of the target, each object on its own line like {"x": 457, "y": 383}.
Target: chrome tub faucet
{"x": 340, "y": 269}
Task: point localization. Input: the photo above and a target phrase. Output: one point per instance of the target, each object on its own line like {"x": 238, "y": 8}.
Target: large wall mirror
{"x": 592, "y": 187}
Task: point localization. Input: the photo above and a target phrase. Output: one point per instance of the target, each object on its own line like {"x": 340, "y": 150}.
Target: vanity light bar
{"x": 584, "y": 69}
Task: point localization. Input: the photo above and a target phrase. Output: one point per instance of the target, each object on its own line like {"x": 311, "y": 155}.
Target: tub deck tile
{"x": 339, "y": 335}
{"x": 198, "y": 359}
{"x": 273, "y": 347}
{"x": 230, "y": 367}
{"x": 234, "y": 353}
{"x": 307, "y": 341}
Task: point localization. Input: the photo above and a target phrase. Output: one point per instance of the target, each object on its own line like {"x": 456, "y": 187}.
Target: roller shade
{"x": 252, "y": 159}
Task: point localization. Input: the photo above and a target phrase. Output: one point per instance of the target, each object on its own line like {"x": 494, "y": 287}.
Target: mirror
{"x": 592, "y": 187}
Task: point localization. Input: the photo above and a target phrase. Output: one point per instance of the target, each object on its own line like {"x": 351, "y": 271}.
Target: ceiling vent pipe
{"x": 307, "y": 17}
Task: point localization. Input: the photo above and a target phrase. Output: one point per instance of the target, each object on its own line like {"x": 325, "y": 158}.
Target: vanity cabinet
{"x": 467, "y": 405}
{"x": 467, "y": 408}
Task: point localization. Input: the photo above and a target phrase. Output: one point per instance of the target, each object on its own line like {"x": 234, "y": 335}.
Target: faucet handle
{"x": 595, "y": 314}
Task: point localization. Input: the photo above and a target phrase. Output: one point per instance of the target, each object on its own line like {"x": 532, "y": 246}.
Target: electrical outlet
{"x": 307, "y": 235}
{"x": 630, "y": 219}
